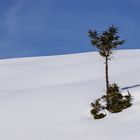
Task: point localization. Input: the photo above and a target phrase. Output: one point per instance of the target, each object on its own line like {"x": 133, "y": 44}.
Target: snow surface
{"x": 48, "y": 98}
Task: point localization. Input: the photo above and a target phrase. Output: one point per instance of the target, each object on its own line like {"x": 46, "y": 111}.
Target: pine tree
{"x": 113, "y": 101}
{"x": 105, "y": 43}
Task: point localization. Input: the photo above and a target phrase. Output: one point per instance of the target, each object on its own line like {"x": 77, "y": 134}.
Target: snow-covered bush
{"x": 98, "y": 109}
{"x": 112, "y": 102}
{"x": 116, "y": 102}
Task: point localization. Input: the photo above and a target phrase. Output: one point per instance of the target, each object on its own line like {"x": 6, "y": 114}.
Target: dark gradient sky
{"x": 50, "y": 27}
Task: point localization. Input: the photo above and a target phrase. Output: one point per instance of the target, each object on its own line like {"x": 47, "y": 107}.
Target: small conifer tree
{"x": 105, "y": 43}
{"x": 113, "y": 101}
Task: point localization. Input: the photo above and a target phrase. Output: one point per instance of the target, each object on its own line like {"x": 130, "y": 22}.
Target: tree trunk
{"x": 106, "y": 73}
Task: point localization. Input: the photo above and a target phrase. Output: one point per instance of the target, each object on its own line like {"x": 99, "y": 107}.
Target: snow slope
{"x": 48, "y": 98}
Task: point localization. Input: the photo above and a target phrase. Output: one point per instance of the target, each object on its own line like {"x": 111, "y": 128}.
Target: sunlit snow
{"x": 48, "y": 98}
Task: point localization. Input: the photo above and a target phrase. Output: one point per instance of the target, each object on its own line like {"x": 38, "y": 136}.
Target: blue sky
{"x": 50, "y": 27}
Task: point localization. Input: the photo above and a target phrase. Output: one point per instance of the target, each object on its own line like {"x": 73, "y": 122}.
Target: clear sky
{"x": 50, "y": 27}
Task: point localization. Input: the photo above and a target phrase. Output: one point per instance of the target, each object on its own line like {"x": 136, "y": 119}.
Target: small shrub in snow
{"x": 113, "y": 102}
{"x": 98, "y": 110}
{"x": 116, "y": 102}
